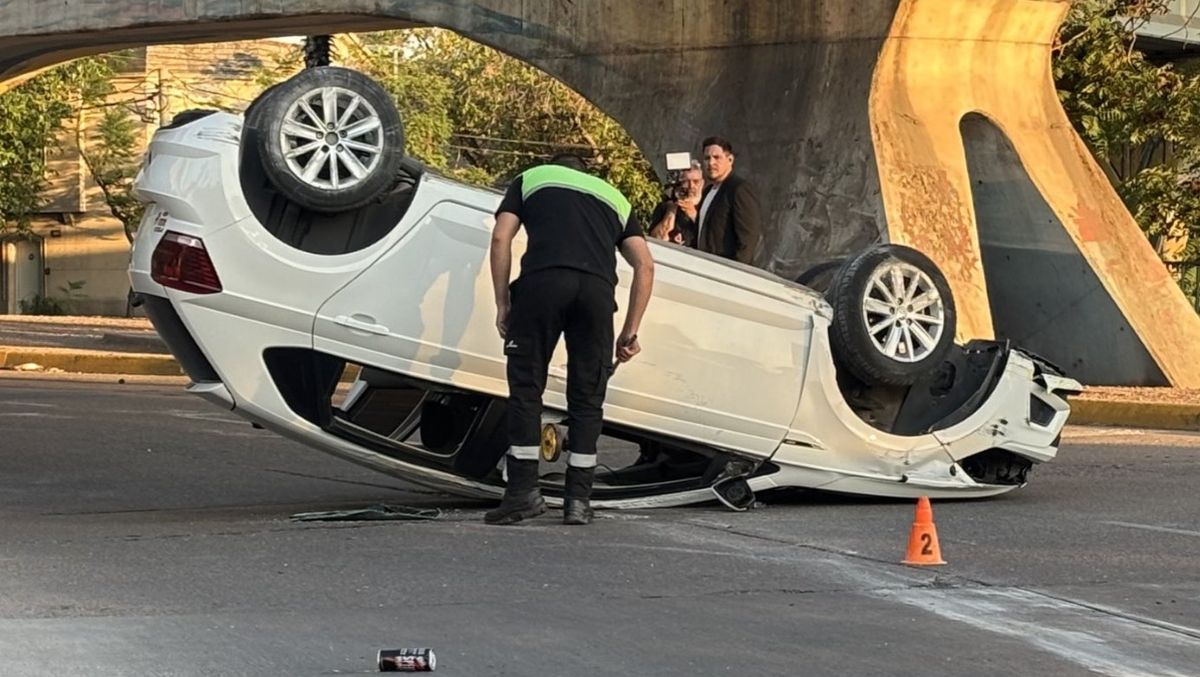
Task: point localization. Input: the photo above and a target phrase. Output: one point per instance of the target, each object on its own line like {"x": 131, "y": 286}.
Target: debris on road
{"x": 406, "y": 660}
{"x": 374, "y": 512}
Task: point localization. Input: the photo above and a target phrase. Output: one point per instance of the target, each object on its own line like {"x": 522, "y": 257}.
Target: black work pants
{"x": 547, "y": 304}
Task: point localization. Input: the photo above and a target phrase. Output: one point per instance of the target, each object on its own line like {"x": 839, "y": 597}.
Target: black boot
{"x": 577, "y": 508}
{"x": 522, "y": 497}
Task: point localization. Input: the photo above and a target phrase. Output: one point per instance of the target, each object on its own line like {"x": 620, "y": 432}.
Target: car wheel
{"x": 553, "y": 441}
{"x": 330, "y": 139}
{"x": 819, "y": 277}
{"x": 894, "y": 316}
{"x": 253, "y": 120}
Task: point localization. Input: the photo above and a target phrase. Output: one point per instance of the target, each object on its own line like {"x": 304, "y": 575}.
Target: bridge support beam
{"x": 980, "y": 166}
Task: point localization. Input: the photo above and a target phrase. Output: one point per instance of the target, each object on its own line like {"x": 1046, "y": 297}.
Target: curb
{"x": 71, "y": 377}
{"x": 140, "y": 323}
{"x": 1134, "y": 414}
{"x": 90, "y": 361}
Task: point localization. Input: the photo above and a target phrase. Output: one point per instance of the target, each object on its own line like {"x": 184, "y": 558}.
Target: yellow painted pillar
{"x": 944, "y": 59}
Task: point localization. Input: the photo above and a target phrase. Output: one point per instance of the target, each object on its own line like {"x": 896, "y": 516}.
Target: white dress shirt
{"x": 703, "y": 216}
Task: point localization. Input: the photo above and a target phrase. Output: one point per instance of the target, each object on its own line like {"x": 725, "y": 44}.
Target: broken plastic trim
{"x": 734, "y": 493}
{"x": 732, "y": 489}
{"x": 374, "y": 512}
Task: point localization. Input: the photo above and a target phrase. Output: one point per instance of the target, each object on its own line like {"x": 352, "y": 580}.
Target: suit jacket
{"x": 733, "y": 227}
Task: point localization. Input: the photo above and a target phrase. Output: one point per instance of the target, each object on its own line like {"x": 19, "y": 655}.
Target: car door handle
{"x": 361, "y": 325}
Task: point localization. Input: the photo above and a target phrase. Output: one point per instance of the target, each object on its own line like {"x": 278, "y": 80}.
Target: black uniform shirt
{"x": 572, "y": 220}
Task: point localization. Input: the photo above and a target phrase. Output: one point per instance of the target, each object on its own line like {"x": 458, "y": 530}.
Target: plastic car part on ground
{"x": 375, "y": 512}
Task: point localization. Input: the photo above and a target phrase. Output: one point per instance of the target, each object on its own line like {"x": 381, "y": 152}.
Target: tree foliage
{"x": 74, "y": 99}
{"x": 32, "y": 117}
{"x": 481, "y": 116}
{"x": 109, "y": 148}
{"x": 1140, "y": 119}
{"x": 507, "y": 115}
{"x": 425, "y": 98}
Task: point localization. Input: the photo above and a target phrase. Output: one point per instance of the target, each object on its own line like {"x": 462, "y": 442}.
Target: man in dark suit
{"x": 729, "y": 220}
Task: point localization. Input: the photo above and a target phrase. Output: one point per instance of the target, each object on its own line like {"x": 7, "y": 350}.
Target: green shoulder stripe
{"x": 553, "y": 176}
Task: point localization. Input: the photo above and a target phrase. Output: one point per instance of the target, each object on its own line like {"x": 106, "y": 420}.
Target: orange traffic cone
{"x": 923, "y": 549}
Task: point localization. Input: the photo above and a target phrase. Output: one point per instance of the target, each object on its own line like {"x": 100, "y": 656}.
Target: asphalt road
{"x": 145, "y": 532}
{"x": 80, "y": 333}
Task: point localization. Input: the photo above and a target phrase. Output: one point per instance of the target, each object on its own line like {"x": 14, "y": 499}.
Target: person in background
{"x": 674, "y": 220}
{"x": 730, "y": 216}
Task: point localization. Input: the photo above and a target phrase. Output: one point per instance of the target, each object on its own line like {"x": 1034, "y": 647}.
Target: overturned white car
{"x": 297, "y": 248}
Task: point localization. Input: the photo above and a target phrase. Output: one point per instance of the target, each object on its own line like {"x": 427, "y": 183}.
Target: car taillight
{"x": 181, "y": 262}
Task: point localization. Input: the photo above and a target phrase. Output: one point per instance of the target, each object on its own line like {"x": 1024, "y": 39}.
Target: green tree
{"x": 32, "y": 117}
{"x": 1140, "y": 119}
{"x": 111, "y": 144}
{"x": 507, "y": 114}
{"x": 109, "y": 148}
{"x": 424, "y": 97}
{"x": 475, "y": 114}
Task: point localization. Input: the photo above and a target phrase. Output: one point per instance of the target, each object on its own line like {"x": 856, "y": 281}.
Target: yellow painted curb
{"x": 90, "y": 361}
{"x": 1167, "y": 415}
{"x": 102, "y": 362}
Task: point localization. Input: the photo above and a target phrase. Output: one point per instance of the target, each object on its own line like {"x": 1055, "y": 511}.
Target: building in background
{"x": 74, "y": 258}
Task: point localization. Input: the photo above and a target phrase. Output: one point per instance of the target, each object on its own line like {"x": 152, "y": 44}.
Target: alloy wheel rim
{"x": 332, "y": 138}
{"x": 903, "y": 312}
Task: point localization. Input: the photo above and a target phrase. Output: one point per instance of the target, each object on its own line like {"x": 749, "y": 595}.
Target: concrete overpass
{"x": 932, "y": 123}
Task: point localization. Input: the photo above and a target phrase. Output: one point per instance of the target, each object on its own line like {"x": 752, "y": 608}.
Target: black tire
{"x": 852, "y": 342}
{"x": 820, "y": 277}
{"x": 252, "y": 118}
{"x": 326, "y": 191}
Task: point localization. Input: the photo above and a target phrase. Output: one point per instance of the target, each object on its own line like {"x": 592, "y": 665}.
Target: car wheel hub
{"x": 903, "y": 312}
{"x": 332, "y": 138}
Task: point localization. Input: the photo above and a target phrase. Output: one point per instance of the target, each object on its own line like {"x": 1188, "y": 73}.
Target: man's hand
{"x": 687, "y": 207}
{"x": 627, "y": 347}
{"x": 502, "y": 319}
{"x": 662, "y": 229}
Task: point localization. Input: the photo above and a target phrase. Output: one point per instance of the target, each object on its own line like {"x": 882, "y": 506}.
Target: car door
{"x": 721, "y": 365}
{"x": 724, "y": 351}
{"x": 425, "y": 308}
